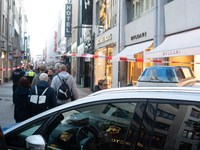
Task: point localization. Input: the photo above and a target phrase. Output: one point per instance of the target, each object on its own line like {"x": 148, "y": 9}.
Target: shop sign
{"x": 68, "y": 19}
{"x": 171, "y": 53}
{"x": 104, "y": 39}
{"x": 138, "y": 36}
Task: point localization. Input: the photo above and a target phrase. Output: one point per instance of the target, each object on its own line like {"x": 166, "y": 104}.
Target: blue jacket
{"x": 22, "y": 104}
{"x": 50, "y": 96}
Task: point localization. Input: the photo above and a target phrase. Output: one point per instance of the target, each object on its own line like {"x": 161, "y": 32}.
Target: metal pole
{"x": 0, "y": 34}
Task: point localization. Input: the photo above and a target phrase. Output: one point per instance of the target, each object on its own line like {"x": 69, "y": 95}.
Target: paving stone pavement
{"x": 7, "y": 106}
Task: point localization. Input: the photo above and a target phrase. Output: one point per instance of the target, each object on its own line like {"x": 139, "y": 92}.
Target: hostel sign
{"x": 68, "y": 18}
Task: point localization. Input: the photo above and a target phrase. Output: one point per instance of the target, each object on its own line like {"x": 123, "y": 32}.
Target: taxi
{"x": 115, "y": 119}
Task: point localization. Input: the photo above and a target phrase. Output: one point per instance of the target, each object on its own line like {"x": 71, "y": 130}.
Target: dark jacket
{"x": 22, "y": 104}
{"x": 16, "y": 75}
{"x": 55, "y": 74}
{"x": 96, "y": 88}
{"x": 50, "y": 96}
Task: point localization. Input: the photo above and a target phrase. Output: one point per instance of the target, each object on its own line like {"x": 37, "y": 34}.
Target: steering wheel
{"x": 83, "y": 140}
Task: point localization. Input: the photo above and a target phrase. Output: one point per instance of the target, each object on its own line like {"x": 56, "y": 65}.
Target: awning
{"x": 182, "y": 44}
{"x": 130, "y": 51}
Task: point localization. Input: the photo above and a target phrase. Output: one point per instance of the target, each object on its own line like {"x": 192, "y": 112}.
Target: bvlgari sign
{"x": 138, "y": 36}
{"x": 104, "y": 39}
{"x": 171, "y": 53}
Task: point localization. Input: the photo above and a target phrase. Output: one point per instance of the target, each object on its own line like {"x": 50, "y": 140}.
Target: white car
{"x": 116, "y": 119}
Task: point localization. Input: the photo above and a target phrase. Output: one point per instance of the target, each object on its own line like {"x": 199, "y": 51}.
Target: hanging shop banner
{"x": 87, "y": 11}
{"x": 68, "y": 19}
{"x": 55, "y": 42}
{"x": 45, "y": 53}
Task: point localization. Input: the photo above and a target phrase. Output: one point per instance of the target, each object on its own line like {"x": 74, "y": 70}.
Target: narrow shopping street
{"x": 7, "y": 106}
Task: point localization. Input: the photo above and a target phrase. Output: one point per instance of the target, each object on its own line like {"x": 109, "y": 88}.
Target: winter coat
{"x": 22, "y": 104}
{"x": 16, "y": 75}
{"x": 36, "y": 80}
{"x": 56, "y": 82}
{"x": 50, "y": 96}
{"x": 96, "y": 88}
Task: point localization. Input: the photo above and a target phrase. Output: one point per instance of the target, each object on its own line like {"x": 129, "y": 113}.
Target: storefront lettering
{"x": 139, "y": 36}
{"x": 170, "y": 53}
{"x": 104, "y": 39}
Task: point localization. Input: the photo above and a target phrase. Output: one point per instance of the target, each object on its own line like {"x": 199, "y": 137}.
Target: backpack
{"x": 38, "y": 102}
{"x": 63, "y": 91}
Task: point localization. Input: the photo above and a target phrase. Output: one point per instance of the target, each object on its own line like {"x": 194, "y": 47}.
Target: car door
{"x": 99, "y": 125}
{"x": 171, "y": 125}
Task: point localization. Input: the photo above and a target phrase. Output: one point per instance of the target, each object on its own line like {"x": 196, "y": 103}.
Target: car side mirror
{"x": 35, "y": 142}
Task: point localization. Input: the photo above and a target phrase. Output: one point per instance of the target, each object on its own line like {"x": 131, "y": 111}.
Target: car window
{"x": 110, "y": 123}
{"x": 167, "y": 127}
{"x": 17, "y": 139}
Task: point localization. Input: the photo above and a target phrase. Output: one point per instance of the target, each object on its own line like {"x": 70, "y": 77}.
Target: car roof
{"x": 170, "y": 93}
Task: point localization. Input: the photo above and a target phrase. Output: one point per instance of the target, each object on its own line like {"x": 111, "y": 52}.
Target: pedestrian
{"x": 50, "y": 96}
{"x": 30, "y": 74}
{"x": 50, "y": 73}
{"x": 69, "y": 80}
{"x": 16, "y": 75}
{"x": 102, "y": 85}
{"x": 21, "y": 100}
{"x": 57, "y": 69}
{"x": 36, "y": 78}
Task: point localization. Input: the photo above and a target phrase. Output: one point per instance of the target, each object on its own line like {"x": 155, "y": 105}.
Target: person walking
{"x": 41, "y": 86}
{"x": 30, "y": 74}
{"x": 16, "y": 75}
{"x": 36, "y": 78}
{"x": 57, "y": 69}
{"x": 64, "y": 76}
{"x": 50, "y": 73}
{"x": 21, "y": 100}
{"x": 102, "y": 85}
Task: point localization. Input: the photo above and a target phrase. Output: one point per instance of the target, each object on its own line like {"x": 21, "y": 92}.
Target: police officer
{"x": 16, "y": 75}
{"x": 30, "y": 74}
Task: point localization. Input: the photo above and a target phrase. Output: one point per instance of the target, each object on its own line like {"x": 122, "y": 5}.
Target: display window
{"x": 135, "y": 69}
{"x": 103, "y": 67}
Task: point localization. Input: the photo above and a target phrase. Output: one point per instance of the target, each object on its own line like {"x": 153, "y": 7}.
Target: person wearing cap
{"x": 30, "y": 74}
{"x": 36, "y": 78}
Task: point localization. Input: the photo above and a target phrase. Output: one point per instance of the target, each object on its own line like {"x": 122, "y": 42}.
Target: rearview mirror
{"x": 35, "y": 142}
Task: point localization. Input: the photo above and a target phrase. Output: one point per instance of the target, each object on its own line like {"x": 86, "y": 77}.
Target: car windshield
{"x": 158, "y": 74}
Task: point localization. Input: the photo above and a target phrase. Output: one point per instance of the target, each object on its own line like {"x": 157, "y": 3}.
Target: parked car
{"x": 116, "y": 119}
{"x": 167, "y": 76}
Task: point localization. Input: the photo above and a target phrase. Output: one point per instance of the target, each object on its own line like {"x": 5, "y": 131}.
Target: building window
{"x": 164, "y": 114}
{"x": 190, "y": 123}
{"x": 106, "y": 15}
{"x": 185, "y": 146}
{"x": 194, "y": 113}
{"x": 175, "y": 105}
{"x": 3, "y": 25}
{"x": 188, "y": 134}
{"x": 141, "y": 8}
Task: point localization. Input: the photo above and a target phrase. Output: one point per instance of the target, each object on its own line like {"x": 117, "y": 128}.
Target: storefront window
{"x": 103, "y": 67}
{"x": 106, "y": 15}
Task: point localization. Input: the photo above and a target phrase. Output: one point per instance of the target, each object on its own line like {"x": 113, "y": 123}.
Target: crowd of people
{"x": 35, "y": 85}
{"x": 37, "y": 90}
